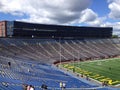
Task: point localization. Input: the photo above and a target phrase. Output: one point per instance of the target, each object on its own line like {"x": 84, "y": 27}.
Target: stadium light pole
{"x": 78, "y": 55}
{"x": 73, "y": 62}
{"x": 60, "y": 49}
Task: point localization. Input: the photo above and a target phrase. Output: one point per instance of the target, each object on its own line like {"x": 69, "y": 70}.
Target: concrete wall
{"x": 2, "y": 28}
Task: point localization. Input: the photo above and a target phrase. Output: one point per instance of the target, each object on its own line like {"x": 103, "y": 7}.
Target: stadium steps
{"x": 49, "y": 46}
{"x": 74, "y": 51}
{"x": 86, "y": 49}
{"x": 63, "y": 46}
{"x": 45, "y": 50}
{"x": 57, "y": 48}
{"x": 96, "y": 50}
{"x": 75, "y": 46}
{"x": 105, "y": 49}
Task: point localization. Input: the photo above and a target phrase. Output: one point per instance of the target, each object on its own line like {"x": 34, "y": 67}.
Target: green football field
{"x": 101, "y": 70}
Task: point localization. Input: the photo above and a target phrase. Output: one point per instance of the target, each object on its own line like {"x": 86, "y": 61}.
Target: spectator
{"x": 81, "y": 75}
{"x": 9, "y": 64}
{"x": 31, "y": 87}
{"x": 103, "y": 83}
{"x": 5, "y": 84}
{"x": 87, "y": 78}
{"x": 74, "y": 69}
{"x": 44, "y": 87}
{"x": 63, "y": 85}
{"x": 28, "y": 70}
{"x": 28, "y": 87}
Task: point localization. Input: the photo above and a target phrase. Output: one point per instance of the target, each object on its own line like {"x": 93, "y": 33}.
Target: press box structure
{"x": 35, "y": 30}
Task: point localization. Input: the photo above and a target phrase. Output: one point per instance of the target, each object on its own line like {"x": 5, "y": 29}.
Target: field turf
{"x": 101, "y": 70}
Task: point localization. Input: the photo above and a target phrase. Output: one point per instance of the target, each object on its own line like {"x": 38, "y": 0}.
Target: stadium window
{"x": 53, "y": 36}
{"x": 32, "y": 36}
{"x": 35, "y": 29}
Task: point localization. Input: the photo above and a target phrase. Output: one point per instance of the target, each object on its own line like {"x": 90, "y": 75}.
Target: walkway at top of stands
{"x": 21, "y": 41}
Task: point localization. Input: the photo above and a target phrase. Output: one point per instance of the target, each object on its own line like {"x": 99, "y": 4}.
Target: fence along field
{"x": 102, "y": 70}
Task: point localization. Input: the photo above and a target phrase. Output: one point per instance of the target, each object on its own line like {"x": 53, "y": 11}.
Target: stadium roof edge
{"x": 55, "y": 24}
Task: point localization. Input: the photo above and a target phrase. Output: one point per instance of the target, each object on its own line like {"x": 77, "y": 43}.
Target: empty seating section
{"x": 52, "y": 50}
{"x": 18, "y": 74}
{"x": 31, "y": 60}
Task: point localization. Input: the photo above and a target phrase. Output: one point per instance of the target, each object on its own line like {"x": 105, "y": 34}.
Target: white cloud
{"x": 115, "y": 25}
{"x": 88, "y": 15}
{"x": 114, "y": 6}
{"x": 97, "y": 22}
{"x": 109, "y": 1}
{"x": 46, "y": 11}
{"x": 10, "y": 6}
{"x": 91, "y": 18}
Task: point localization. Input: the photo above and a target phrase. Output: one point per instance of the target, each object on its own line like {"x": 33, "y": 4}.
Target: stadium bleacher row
{"x": 12, "y": 78}
{"x": 51, "y": 51}
{"x": 32, "y": 59}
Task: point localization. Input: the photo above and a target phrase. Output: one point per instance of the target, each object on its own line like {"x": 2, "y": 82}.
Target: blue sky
{"x": 8, "y": 16}
{"x": 102, "y": 13}
{"x": 100, "y": 6}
